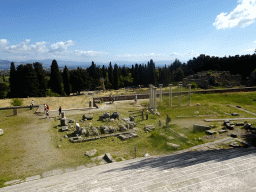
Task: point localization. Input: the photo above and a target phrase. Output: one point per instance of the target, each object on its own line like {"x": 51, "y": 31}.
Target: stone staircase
{"x": 212, "y": 170}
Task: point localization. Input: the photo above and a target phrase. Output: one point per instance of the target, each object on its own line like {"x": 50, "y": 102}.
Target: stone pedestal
{"x": 63, "y": 121}
{"x": 170, "y": 95}
{"x": 160, "y": 95}
{"x": 189, "y": 94}
{"x": 77, "y": 127}
{"x": 62, "y": 115}
{"x": 150, "y": 95}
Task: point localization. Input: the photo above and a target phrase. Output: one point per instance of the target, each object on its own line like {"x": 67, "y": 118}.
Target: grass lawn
{"x": 70, "y": 155}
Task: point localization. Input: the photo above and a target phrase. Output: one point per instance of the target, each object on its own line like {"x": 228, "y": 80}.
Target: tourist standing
{"x": 136, "y": 99}
{"x": 32, "y": 103}
{"x": 168, "y": 119}
{"x": 60, "y": 110}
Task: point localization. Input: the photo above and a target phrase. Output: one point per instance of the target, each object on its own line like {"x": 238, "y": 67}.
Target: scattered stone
{"x": 108, "y": 158}
{"x": 81, "y": 121}
{"x": 1, "y": 131}
{"x": 239, "y": 124}
{"x": 238, "y": 106}
{"x": 173, "y": 145}
{"x": 131, "y": 118}
{"x": 83, "y": 131}
{"x": 225, "y": 122}
{"x": 122, "y": 128}
{"x": 222, "y": 131}
{"x": 200, "y": 127}
{"x": 64, "y": 128}
{"x": 210, "y": 132}
{"x": 196, "y": 112}
{"x": 65, "y": 136}
{"x": 127, "y": 135}
{"x": 149, "y": 128}
{"x": 111, "y": 120}
{"x": 87, "y": 117}
{"x": 90, "y": 153}
{"x": 111, "y": 129}
{"x": 198, "y": 104}
{"x": 234, "y": 135}
{"x": 231, "y": 123}
{"x": 146, "y": 155}
{"x": 126, "y": 119}
{"x": 234, "y": 144}
{"x": 94, "y": 131}
{"x": 230, "y": 127}
{"x": 104, "y": 129}
{"x": 115, "y": 115}
{"x": 104, "y": 116}
{"x": 247, "y": 126}
{"x": 235, "y": 114}
{"x": 71, "y": 121}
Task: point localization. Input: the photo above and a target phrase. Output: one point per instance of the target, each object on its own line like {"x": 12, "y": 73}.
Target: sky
{"x": 125, "y": 30}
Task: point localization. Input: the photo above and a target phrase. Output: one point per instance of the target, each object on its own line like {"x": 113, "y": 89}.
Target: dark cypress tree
{"x": 3, "y": 90}
{"x": 104, "y": 72}
{"x": 41, "y": 77}
{"x": 13, "y": 81}
{"x": 30, "y": 83}
{"x": 136, "y": 75}
{"x": 4, "y": 78}
{"x": 110, "y": 75}
{"x": 115, "y": 78}
{"x": 55, "y": 79}
{"x": 20, "y": 84}
{"x": 67, "y": 86}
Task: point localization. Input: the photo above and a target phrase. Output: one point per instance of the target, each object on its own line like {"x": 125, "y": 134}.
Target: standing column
{"x": 161, "y": 86}
{"x": 170, "y": 95}
{"x": 189, "y": 94}
{"x": 180, "y": 93}
{"x": 155, "y": 98}
{"x": 150, "y": 95}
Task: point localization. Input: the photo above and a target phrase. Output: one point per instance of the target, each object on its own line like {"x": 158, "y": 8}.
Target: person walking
{"x": 136, "y": 99}
{"x": 60, "y": 110}
{"x": 44, "y": 108}
{"x": 32, "y": 103}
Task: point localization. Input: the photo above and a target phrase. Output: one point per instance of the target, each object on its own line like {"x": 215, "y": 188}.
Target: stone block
{"x": 197, "y": 127}
{"x": 1, "y": 131}
{"x": 63, "y": 121}
{"x": 234, "y": 135}
{"x": 247, "y": 126}
{"x": 87, "y": 117}
{"x": 149, "y": 128}
{"x": 235, "y": 114}
{"x": 210, "y": 132}
{"x": 64, "y": 128}
{"x": 146, "y": 155}
{"x": 173, "y": 145}
{"x": 71, "y": 121}
{"x": 108, "y": 158}
{"x": 239, "y": 124}
{"x": 234, "y": 144}
{"x": 222, "y": 131}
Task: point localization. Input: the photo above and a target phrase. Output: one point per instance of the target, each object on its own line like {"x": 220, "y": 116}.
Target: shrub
{"x": 50, "y": 93}
{"x": 17, "y": 102}
{"x": 193, "y": 85}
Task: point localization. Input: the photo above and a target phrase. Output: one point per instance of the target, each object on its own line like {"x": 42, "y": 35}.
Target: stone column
{"x": 152, "y": 100}
{"x": 160, "y": 95}
{"x": 170, "y": 95}
{"x": 180, "y": 94}
{"x": 155, "y": 98}
{"x": 150, "y": 95}
{"x": 189, "y": 94}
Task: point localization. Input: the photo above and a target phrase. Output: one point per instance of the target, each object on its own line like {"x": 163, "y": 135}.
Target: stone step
{"x": 178, "y": 179}
{"x": 111, "y": 182}
{"x": 84, "y": 177}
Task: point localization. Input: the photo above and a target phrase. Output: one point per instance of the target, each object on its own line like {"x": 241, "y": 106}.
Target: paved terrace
{"x": 187, "y": 170}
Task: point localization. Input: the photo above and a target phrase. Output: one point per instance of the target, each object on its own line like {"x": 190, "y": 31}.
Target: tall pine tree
{"x": 115, "y": 78}
{"x": 13, "y": 81}
{"x": 55, "y": 79}
{"x": 110, "y": 75}
{"x": 67, "y": 86}
{"x": 41, "y": 77}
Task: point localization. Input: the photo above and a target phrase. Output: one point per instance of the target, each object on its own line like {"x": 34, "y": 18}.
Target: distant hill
{"x": 5, "y": 64}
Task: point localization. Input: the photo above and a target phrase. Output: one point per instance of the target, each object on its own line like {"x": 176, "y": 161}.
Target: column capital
{"x": 160, "y": 85}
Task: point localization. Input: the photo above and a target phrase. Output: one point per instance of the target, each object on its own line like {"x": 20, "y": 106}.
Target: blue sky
{"x": 126, "y": 30}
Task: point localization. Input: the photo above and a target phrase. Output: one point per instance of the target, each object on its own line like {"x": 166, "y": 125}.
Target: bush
{"x": 193, "y": 85}
{"x": 17, "y": 102}
{"x": 50, "y": 93}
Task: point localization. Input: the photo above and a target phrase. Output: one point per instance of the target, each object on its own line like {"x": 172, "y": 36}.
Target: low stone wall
{"x": 200, "y": 127}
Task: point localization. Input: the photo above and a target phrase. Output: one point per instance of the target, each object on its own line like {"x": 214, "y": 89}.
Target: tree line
{"x": 32, "y": 80}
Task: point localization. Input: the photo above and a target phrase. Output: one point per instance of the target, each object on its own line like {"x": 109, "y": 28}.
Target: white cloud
{"x": 174, "y": 54}
{"x": 40, "y": 50}
{"x": 249, "y": 50}
{"x": 61, "y": 46}
{"x": 243, "y": 15}
{"x": 254, "y": 41}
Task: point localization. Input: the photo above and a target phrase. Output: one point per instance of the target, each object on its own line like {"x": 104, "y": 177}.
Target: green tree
{"x": 3, "y": 90}
{"x": 41, "y": 77}
{"x": 110, "y": 75}
{"x": 55, "y": 79}
{"x": 115, "y": 77}
{"x": 30, "y": 82}
{"x": 67, "y": 86}
{"x": 13, "y": 81}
